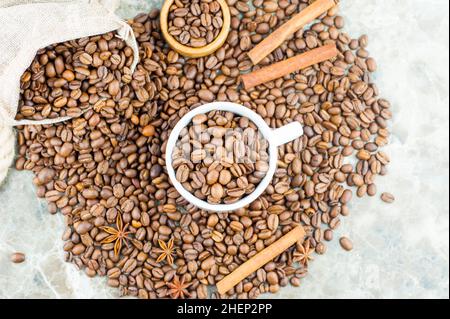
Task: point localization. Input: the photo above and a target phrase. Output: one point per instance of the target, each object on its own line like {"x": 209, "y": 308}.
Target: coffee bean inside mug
{"x": 195, "y": 23}
{"x": 220, "y": 157}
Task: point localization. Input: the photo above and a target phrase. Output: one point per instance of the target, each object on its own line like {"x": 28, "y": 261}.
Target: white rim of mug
{"x": 266, "y": 131}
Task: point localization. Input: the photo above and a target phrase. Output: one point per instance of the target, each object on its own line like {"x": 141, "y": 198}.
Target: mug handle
{"x": 287, "y": 133}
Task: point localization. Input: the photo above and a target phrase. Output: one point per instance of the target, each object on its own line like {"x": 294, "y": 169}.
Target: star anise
{"x": 118, "y": 235}
{"x": 166, "y": 251}
{"x": 178, "y": 289}
{"x": 303, "y": 254}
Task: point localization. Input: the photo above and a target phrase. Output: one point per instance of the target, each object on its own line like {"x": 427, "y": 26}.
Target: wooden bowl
{"x": 188, "y": 51}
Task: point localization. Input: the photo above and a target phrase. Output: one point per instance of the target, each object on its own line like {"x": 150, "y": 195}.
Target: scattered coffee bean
{"x": 18, "y": 258}
{"x": 346, "y": 243}
{"x": 387, "y": 198}
{"x": 148, "y": 131}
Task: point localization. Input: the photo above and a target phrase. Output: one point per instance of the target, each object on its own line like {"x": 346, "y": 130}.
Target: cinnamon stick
{"x": 260, "y": 259}
{"x": 275, "y": 39}
{"x": 288, "y": 66}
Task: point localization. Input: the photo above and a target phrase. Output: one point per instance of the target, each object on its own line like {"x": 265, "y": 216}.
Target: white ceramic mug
{"x": 275, "y": 138}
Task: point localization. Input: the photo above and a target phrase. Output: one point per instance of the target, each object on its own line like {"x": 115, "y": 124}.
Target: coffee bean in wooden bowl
{"x": 195, "y": 23}
{"x": 195, "y": 28}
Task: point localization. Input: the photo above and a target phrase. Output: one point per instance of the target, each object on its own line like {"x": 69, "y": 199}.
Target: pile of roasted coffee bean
{"x": 195, "y": 23}
{"x": 105, "y": 171}
{"x": 220, "y": 157}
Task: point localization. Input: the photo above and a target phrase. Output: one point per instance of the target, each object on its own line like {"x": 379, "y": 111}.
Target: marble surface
{"x": 401, "y": 250}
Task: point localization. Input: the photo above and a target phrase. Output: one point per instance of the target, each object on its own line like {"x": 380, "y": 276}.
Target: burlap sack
{"x": 29, "y": 25}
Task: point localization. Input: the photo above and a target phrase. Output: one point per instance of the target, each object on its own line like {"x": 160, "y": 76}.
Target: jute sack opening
{"x": 29, "y": 25}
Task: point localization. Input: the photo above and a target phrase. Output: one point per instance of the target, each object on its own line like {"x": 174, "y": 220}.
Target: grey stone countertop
{"x": 401, "y": 250}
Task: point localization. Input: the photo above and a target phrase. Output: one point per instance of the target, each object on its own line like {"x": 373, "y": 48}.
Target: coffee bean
{"x": 371, "y": 64}
{"x": 272, "y": 278}
{"x": 295, "y": 282}
{"x": 224, "y": 177}
{"x": 328, "y": 235}
{"x": 339, "y": 22}
{"x": 217, "y": 191}
{"x": 114, "y": 88}
{"x": 199, "y": 119}
{"x": 206, "y": 95}
{"x": 182, "y": 174}
{"x": 321, "y": 248}
{"x": 387, "y": 198}
{"x": 85, "y": 58}
{"x": 273, "y": 222}
{"x": 270, "y": 6}
{"x": 236, "y": 226}
{"x": 372, "y": 190}
{"x": 78, "y": 249}
{"x": 82, "y": 227}
{"x": 66, "y": 149}
{"x": 346, "y": 243}
{"x": 208, "y": 263}
{"x": 18, "y": 258}
{"x": 358, "y": 180}
{"x": 90, "y": 193}
{"x": 346, "y": 197}
{"x": 45, "y": 175}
